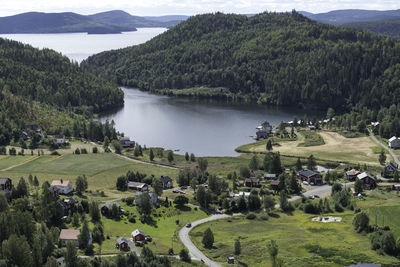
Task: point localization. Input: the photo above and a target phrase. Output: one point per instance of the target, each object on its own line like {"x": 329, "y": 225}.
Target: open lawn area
{"x": 336, "y": 148}
{"x": 162, "y": 228}
{"x": 301, "y": 242}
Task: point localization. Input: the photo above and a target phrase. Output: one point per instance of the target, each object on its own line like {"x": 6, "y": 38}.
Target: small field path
{"x": 394, "y": 156}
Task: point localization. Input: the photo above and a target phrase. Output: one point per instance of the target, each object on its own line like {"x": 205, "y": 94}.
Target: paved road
{"x": 195, "y": 253}
{"x": 394, "y": 156}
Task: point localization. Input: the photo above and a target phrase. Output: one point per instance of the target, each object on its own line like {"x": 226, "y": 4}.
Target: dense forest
{"x": 279, "y": 59}
{"x": 47, "y": 77}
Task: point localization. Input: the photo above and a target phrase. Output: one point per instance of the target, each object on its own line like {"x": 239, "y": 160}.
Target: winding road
{"x": 195, "y": 253}
{"x": 394, "y": 156}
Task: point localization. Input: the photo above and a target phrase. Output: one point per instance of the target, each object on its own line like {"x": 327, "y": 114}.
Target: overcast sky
{"x": 189, "y": 7}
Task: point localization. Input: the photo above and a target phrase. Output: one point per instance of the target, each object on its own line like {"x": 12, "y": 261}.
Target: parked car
{"x": 188, "y": 225}
{"x": 182, "y": 192}
{"x": 311, "y": 197}
{"x": 175, "y": 191}
{"x": 218, "y": 212}
{"x": 316, "y": 196}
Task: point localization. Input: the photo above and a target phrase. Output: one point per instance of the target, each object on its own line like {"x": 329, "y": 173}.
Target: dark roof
{"x": 4, "y": 180}
{"x": 165, "y": 179}
{"x": 307, "y": 173}
{"x": 392, "y": 165}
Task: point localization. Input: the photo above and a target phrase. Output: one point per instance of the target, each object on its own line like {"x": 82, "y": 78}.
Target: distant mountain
{"x": 37, "y": 22}
{"x": 122, "y": 18}
{"x": 167, "y": 18}
{"x": 387, "y": 27}
{"x": 338, "y": 17}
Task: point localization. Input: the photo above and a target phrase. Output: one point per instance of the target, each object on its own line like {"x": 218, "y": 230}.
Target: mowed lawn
{"x": 10, "y": 161}
{"x": 163, "y": 228}
{"x": 336, "y": 148}
{"x": 301, "y": 242}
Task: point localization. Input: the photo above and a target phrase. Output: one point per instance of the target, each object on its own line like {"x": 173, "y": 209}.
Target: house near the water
{"x": 126, "y": 142}
{"x": 264, "y": 130}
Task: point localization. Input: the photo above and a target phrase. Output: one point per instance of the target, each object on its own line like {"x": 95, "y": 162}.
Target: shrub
{"x": 95, "y": 150}
{"x": 361, "y": 221}
{"x": 311, "y": 209}
{"x": 264, "y": 217}
{"x": 55, "y": 153}
{"x": 251, "y": 216}
{"x": 338, "y": 207}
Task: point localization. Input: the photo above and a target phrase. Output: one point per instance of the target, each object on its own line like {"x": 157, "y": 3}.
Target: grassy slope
{"x": 299, "y": 231}
{"x": 336, "y": 148}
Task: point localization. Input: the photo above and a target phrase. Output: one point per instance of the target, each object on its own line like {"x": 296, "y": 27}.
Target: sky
{"x": 189, "y": 7}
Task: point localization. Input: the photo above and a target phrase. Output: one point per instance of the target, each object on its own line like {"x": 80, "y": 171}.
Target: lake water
{"x": 206, "y": 128}
{"x": 79, "y": 46}
{"x": 202, "y": 127}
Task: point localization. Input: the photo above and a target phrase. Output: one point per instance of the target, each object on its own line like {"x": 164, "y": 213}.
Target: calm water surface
{"x": 201, "y": 127}
{"x": 205, "y": 128}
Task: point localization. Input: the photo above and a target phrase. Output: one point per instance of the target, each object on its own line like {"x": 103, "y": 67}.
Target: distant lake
{"x": 203, "y": 127}
{"x": 206, "y": 128}
{"x": 79, "y": 46}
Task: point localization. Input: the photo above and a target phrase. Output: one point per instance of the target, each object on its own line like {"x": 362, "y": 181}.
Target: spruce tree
{"x": 84, "y": 236}
{"x": 237, "y": 247}
{"x": 151, "y": 155}
{"x": 208, "y": 238}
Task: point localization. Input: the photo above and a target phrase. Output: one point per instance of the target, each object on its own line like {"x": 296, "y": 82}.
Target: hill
{"x": 278, "y": 59}
{"x": 386, "y": 27}
{"x": 37, "y": 22}
{"x": 121, "y": 18}
{"x": 338, "y": 17}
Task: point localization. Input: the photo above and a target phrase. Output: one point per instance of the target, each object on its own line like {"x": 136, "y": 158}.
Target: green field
{"x": 301, "y": 242}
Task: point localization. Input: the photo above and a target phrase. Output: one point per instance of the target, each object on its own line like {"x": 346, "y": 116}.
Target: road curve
{"x": 195, "y": 253}
{"x": 394, "y": 156}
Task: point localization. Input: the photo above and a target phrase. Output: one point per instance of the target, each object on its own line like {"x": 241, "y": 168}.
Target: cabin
{"x": 6, "y": 187}
{"x": 153, "y": 197}
{"x": 270, "y": 176}
{"x": 107, "y": 208}
{"x": 231, "y": 260}
{"x": 126, "y": 142}
{"x": 368, "y": 180}
{"x": 166, "y": 182}
{"x": 138, "y": 186}
{"x": 394, "y": 142}
{"x": 60, "y": 139}
{"x": 274, "y": 185}
{"x": 352, "y": 174}
{"x": 264, "y": 130}
{"x": 138, "y": 235}
{"x": 391, "y": 167}
{"x": 311, "y": 177}
{"x": 122, "y": 244}
{"x": 61, "y": 187}
{"x": 252, "y": 182}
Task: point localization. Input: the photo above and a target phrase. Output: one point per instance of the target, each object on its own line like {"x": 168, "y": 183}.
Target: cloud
{"x": 189, "y": 7}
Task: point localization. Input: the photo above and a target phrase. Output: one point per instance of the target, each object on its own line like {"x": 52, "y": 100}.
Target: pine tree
{"x": 170, "y": 156}
{"x": 311, "y": 163}
{"x": 273, "y": 252}
{"x": 208, "y": 238}
{"x": 299, "y": 166}
{"x": 237, "y": 247}
{"x": 358, "y": 186}
{"x": 269, "y": 145}
{"x": 192, "y": 157}
{"x": 253, "y": 165}
{"x": 84, "y": 236}
{"x": 35, "y": 181}
{"x": 71, "y": 257}
{"x": 36, "y": 253}
{"x": 187, "y": 156}
{"x": 382, "y": 158}
{"x": 151, "y": 156}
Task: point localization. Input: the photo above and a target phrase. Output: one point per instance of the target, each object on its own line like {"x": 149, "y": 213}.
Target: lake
{"x": 206, "y": 128}
{"x": 79, "y": 46}
{"x": 202, "y": 127}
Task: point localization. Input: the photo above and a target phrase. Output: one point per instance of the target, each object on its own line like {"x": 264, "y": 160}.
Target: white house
{"x": 61, "y": 187}
{"x": 394, "y": 142}
{"x": 241, "y": 194}
{"x": 60, "y": 139}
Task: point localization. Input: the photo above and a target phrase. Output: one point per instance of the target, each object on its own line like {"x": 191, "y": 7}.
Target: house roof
{"x": 352, "y": 172}
{"x": 165, "y": 179}
{"x": 307, "y": 173}
{"x": 392, "y": 165}
{"x": 69, "y": 234}
{"x": 4, "y": 180}
{"x": 122, "y": 240}
{"x": 137, "y": 232}
{"x": 392, "y": 139}
{"x": 60, "y": 183}
{"x": 364, "y": 175}
{"x": 136, "y": 184}
{"x": 125, "y": 138}
{"x": 269, "y": 175}
{"x": 254, "y": 180}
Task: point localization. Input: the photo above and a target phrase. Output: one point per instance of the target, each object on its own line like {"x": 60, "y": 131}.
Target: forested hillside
{"x": 387, "y": 27}
{"x": 280, "y": 59}
{"x": 48, "y": 77}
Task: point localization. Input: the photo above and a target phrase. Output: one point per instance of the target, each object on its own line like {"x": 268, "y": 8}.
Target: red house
{"x": 368, "y": 180}
{"x": 122, "y": 244}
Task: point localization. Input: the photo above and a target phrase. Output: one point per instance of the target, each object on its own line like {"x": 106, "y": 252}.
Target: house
{"x": 60, "y": 139}
{"x": 241, "y": 194}
{"x": 311, "y": 177}
{"x": 252, "y": 182}
{"x": 352, "y": 174}
{"x": 375, "y": 124}
{"x": 166, "y": 182}
{"x": 394, "y": 142}
{"x": 391, "y": 167}
{"x": 153, "y": 197}
{"x": 122, "y": 244}
{"x": 270, "y": 176}
{"x": 106, "y": 208}
{"x": 368, "y": 180}
{"x": 396, "y": 187}
{"x": 69, "y": 235}
{"x": 264, "y": 130}
{"x": 126, "y": 142}
{"x": 61, "y": 187}
{"x": 68, "y": 204}
{"x": 231, "y": 260}
{"x": 137, "y": 186}
{"x": 274, "y": 185}
{"x": 6, "y": 187}
{"x": 138, "y": 235}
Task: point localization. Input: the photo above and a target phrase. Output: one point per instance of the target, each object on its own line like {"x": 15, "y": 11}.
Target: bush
{"x": 95, "y": 150}
{"x": 338, "y": 207}
{"x": 77, "y": 151}
{"x": 311, "y": 208}
{"x": 361, "y": 222}
{"x": 251, "y": 216}
{"x": 264, "y": 217}
{"x": 83, "y": 151}
{"x": 55, "y": 153}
